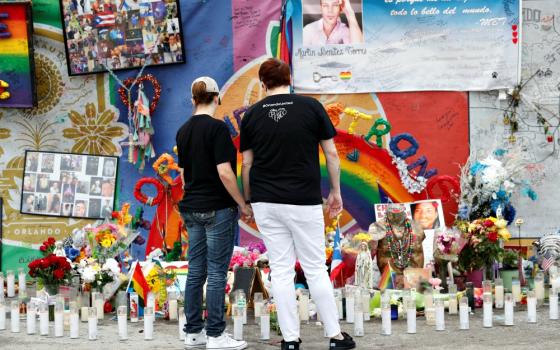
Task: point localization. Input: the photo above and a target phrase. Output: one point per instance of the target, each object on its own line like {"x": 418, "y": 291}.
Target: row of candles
{"x": 11, "y": 282}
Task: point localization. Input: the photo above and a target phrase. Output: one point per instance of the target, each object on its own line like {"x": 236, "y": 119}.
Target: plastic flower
{"x": 501, "y": 223}
{"x": 493, "y": 236}
{"x": 504, "y": 234}
{"x": 362, "y": 237}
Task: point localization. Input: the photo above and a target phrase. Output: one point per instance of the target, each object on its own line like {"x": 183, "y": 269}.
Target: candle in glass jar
{"x": 121, "y": 320}
{"x": 238, "y": 322}
{"x": 74, "y": 320}
{"x": 338, "y": 299}
{"x": 98, "y": 302}
{"x": 358, "y": 314}
{"x": 440, "y": 314}
{"x": 499, "y": 293}
{"x": 410, "y": 306}
{"x": 452, "y": 299}
{"x": 92, "y": 323}
{"x": 349, "y": 294}
{"x": 44, "y": 319}
{"x": 303, "y": 305}
{"x": 385, "y": 314}
{"x": 133, "y": 307}
{"x": 365, "y": 304}
{"x": 487, "y": 286}
{"x": 516, "y": 290}
{"x": 553, "y": 302}
{"x": 429, "y": 311}
{"x": 149, "y": 319}
{"x": 15, "y": 316}
{"x": 487, "y": 310}
{"x": 21, "y": 281}
{"x": 11, "y": 284}
{"x": 539, "y": 287}
{"x": 173, "y": 309}
{"x": 258, "y": 304}
{"x": 508, "y": 309}
{"x": 31, "y": 318}
{"x": 59, "y": 318}
{"x": 265, "y": 324}
{"x": 464, "y": 313}
{"x": 531, "y": 307}
{"x": 151, "y": 302}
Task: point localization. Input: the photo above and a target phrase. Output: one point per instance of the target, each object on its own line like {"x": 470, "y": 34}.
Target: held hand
{"x": 247, "y": 212}
{"x": 334, "y": 203}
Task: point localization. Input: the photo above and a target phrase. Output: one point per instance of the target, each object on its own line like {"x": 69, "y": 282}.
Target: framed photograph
{"x": 17, "y": 71}
{"x": 121, "y": 34}
{"x": 69, "y": 185}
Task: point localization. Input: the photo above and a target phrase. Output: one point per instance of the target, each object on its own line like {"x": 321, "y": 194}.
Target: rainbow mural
{"x": 16, "y": 55}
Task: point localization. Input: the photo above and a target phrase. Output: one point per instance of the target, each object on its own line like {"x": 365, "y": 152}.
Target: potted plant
{"x": 509, "y": 269}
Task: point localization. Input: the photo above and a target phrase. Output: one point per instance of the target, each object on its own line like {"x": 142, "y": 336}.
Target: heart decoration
{"x": 148, "y": 77}
{"x": 514, "y": 34}
{"x": 514, "y": 27}
{"x": 514, "y": 40}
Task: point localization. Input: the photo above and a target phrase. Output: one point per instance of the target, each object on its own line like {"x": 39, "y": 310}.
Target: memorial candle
{"x": 508, "y": 309}
{"x": 31, "y": 318}
{"x": 452, "y": 288}
{"x": 553, "y": 302}
{"x": 487, "y": 310}
{"x": 11, "y": 284}
{"x": 149, "y": 319}
{"x": 464, "y": 313}
{"x": 349, "y": 294}
{"x": 74, "y": 321}
{"x": 133, "y": 307}
{"x": 410, "y": 306}
{"x": 499, "y": 293}
{"x": 440, "y": 314}
{"x": 92, "y": 323}
{"x": 539, "y": 287}
{"x": 44, "y": 319}
{"x": 21, "y": 281}
{"x": 358, "y": 314}
{"x": 338, "y": 299}
{"x": 59, "y": 318}
{"x": 516, "y": 290}
{"x": 15, "y": 316}
{"x": 303, "y": 305}
{"x": 385, "y": 314}
{"x": 238, "y": 322}
{"x": 531, "y": 307}
{"x": 265, "y": 323}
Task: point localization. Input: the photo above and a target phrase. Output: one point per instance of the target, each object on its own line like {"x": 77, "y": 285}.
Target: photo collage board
{"x": 121, "y": 34}
{"x": 69, "y": 185}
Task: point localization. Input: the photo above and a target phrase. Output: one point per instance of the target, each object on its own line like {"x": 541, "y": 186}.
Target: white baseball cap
{"x": 211, "y": 85}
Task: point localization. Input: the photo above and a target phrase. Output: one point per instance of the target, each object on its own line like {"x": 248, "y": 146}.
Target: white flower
{"x": 88, "y": 274}
{"x": 113, "y": 266}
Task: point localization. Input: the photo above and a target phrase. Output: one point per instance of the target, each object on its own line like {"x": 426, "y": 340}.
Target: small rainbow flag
{"x": 388, "y": 279}
{"x": 345, "y": 75}
{"x": 139, "y": 284}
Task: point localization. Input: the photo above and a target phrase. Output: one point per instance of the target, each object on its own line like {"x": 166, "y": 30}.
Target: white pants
{"x": 290, "y": 232}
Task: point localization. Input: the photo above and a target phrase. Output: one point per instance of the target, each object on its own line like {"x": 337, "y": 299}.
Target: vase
{"x": 476, "y": 277}
{"x": 507, "y": 276}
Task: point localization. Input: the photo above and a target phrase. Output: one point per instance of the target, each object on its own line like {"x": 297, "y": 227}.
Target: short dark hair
{"x": 200, "y": 95}
{"x": 274, "y": 73}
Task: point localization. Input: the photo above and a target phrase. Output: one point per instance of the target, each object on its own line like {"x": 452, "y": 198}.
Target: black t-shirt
{"x": 284, "y": 132}
{"x": 202, "y": 143}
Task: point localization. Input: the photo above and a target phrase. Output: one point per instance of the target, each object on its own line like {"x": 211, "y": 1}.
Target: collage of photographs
{"x": 69, "y": 185}
{"x": 121, "y": 34}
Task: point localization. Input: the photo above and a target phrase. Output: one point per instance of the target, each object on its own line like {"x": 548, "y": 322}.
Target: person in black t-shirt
{"x": 208, "y": 162}
{"x": 280, "y": 139}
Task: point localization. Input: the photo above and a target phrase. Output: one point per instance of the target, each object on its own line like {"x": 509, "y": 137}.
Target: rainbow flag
{"x": 345, "y": 75}
{"x": 388, "y": 279}
{"x": 139, "y": 284}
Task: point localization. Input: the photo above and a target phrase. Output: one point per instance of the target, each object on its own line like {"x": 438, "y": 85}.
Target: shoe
{"x": 290, "y": 345}
{"x": 346, "y": 343}
{"x": 195, "y": 340}
{"x": 225, "y": 342}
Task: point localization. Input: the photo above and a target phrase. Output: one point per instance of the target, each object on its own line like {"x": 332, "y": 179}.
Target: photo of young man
{"x": 331, "y": 28}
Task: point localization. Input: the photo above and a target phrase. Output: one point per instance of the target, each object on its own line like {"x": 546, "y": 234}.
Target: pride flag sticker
{"x": 345, "y": 75}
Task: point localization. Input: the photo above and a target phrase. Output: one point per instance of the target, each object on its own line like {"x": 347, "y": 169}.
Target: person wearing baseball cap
{"x": 209, "y": 208}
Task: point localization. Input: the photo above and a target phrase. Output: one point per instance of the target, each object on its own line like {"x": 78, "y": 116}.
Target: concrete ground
{"x": 543, "y": 335}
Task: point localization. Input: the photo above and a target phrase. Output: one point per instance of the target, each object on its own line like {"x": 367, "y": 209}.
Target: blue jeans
{"x": 211, "y": 236}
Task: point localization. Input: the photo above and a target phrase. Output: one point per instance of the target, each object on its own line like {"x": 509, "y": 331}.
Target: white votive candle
{"x": 553, "y": 302}
{"x": 31, "y": 318}
{"x": 15, "y": 316}
{"x": 92, "y": 323}
{"x": 365, "y": 305}
{"x": 350, "y": 308}
{"x": 531, "y": 307}
{"x": 499, "y": 293}
{"x": 121, "y": 320}
{"x": 487, "y": 310}
{"x": 59, "y": 318}
{"x": 21, "y": 281}
{"x": 265, "y": 324}
{"x": 149, "y": 323}
{"x": 452, "y": 299}
{"x": 464, "y": 313}
{"x": 172, "y": 309}
{"x": 74, "y": 321}
{"x": 44, "y": 319}
{"x": 98, "y": 303}
{"x": 182, "y": 323}
{"x": 84, "y": 312}
{"x": 440, "y": 314}
{"x": 11, "y": 284}
{"x": 508, "y": 309}
{"x": 338, "y": 299}
{"x": 133, "y": 307}
{"x": 238, "y": 322}
{"x": 539, "y": 287}
{"x": 303, "y": 306}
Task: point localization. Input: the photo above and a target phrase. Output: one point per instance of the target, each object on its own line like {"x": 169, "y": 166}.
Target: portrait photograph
{"x": 332, "y": 22}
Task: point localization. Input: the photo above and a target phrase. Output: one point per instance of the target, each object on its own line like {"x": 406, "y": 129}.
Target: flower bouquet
{"x": 483, "y": 247}
{"x": 51, "y": 271}
{"x": 448, "y": 245}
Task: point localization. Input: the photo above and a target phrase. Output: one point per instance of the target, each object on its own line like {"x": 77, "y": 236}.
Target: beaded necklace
{"x": 400, "y": 249}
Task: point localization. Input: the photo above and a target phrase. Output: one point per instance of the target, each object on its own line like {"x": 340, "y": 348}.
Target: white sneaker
{"x": 225, "y": 342}
{"x": 195, "y": 340}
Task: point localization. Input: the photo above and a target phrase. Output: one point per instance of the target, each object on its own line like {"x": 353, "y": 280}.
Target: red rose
{"x": 488, "y": 223}
{"x": 493, "y": 236}
{"x": 51, "y": 240}
{"x": 107, "y": 307}
{"x": 43, "y": 248}
{"x": 114, "y": 215}
{"x": 58, "y": 274}
{"x": 44, "y": 263}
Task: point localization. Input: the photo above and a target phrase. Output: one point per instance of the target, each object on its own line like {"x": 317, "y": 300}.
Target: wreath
{"x": 163, "y": 164}
{"x": 142, "y": 198}
{"x": 447, "y": 184}
{"x": 148, "y": 77}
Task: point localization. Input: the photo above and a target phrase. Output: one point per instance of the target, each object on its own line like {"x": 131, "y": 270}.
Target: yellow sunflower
{"x": 94, "y": 132}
